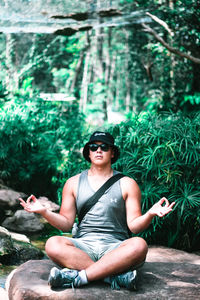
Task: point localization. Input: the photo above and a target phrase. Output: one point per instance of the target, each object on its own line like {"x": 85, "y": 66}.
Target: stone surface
{"x": 168, "y": 274}
{"x": 16, "y": 249}
{"x": 49, "y": 204}
{"x": 14, "y": 218}
{"x": 6, "y": 243}
{"x": 3, "y": 294}
{"x": 23, "y": 221}
{"x": 19, "y": 237}
{"x": 10, "y": 198}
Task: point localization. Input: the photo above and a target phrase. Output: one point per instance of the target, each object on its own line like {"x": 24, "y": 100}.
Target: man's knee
{"x": 54, "y": 246}
{"x": 140, "y": 247}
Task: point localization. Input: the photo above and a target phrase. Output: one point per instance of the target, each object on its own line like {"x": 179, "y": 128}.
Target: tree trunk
{"x": 111, "y": 86}
{"x": 84, "y": 94}
{"x": 172, "y": 65}
{"x": 74, "y": 84}
{"x": 99, "y": 67}
{"x": 128, "y": 82}
{"x": 12, "y": 81}
{"x": 118, "y": 86}
{"x": 108, "y": 64}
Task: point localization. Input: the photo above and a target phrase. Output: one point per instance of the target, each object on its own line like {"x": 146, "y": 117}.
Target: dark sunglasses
{"x": 103, "y": 147}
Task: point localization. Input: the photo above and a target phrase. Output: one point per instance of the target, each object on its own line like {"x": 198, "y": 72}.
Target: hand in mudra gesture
{"x": 161, "y": 208}
{"x": 32, "y": 205}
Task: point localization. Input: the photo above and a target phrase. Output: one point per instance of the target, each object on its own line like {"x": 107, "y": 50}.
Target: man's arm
{"x": 65, "y": 218}
{"x": 132, "y": 196}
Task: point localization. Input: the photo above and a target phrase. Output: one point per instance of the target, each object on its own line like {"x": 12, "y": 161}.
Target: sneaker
{"x": 63, "y": 278}
{"x": 127, "y": 280}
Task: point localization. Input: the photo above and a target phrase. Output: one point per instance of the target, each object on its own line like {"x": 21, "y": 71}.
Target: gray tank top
{"x": 107, "y": 216}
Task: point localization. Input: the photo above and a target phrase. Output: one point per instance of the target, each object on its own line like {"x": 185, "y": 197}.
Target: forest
{"x": 129, "y": 67}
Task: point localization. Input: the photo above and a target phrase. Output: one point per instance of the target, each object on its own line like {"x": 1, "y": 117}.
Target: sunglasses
{"x": 103, "y": 147}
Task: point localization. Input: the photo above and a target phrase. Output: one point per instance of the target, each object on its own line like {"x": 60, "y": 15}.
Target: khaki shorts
{"x": 97, "y": 245}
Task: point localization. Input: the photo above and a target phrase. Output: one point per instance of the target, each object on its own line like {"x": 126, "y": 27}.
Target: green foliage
{"x": 127, "y": 67}
{"x": 36, "y": 137}
{"x": 27, "y": 83}
{"x": 41, "y": 141}
{"x": 192, "y": 99}
{"x": 162, "y": 153}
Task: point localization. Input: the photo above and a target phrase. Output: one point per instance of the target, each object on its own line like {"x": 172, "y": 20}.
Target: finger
{"x": 21, "y": 201}
{"x": 167, "y": 210}
{"x": 162, "y": 200}
{"x": 172, "y": 204}
{"x": 161, "y": 214}
{"x": 31, "y": 198}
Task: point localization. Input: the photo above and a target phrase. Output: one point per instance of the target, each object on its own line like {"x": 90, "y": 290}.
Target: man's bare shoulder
{"x": 129, "y": 186}
{"x": 73, "y": 181}
{"x": 128, "y": 180}
{"x": 71, "y": 185}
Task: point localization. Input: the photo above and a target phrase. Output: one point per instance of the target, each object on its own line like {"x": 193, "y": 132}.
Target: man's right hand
{"x": 32, "y": 205}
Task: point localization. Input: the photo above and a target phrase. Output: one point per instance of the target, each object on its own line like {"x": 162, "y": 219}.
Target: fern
{"x": 162, "y": 152}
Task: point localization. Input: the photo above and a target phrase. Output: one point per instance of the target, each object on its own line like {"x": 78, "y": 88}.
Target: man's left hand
{"x": 160, "y": 210}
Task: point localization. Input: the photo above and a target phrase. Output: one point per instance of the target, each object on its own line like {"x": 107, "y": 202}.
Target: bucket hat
{"x": 104, "y": 137}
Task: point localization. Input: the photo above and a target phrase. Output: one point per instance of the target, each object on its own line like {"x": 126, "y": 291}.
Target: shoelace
{"x": 114, "y": 284}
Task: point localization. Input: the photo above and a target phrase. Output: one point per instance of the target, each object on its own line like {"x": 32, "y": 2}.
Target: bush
{"x": 162, "y": 153}
{"x": 41, "y": 147}
{"x": 36, "y": 138}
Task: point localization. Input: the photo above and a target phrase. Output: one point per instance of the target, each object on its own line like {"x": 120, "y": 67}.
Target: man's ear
{"x": 112, "y": 153}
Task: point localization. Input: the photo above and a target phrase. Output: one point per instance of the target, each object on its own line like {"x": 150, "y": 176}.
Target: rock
{"x": 19, "y": 237}
{"x": 24, "y": 252}
{"x": 6, "y": 243}
{"x": 49, "y": 204}
{"x": 10, "y": 198}
{"x": 8, "y": 202}
{"x": 14, "y": 249}
{"x": 167, "y": 274}
{"x": 23, "y": 221}
{"x": 3, "y": 294}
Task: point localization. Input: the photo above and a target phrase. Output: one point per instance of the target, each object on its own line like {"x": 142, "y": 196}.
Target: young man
{"x": 102, "y": 247}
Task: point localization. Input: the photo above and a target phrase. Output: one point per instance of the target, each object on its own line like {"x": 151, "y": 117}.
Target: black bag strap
{"x": 97, "y": 195}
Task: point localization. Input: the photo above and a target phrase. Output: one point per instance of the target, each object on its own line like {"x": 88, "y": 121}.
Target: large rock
{"x": 16, "y": 249}
{"x": 10, "y": 198}
{"x": 167, "y": 274}
{"x": 20, "y": 220}
{"x": 3, "y": 294}
{"x": 6, "y": 243}
{"x": 23, "y": 221}
{"x": 49, "y": 204}
{"x": 9, "y": 201}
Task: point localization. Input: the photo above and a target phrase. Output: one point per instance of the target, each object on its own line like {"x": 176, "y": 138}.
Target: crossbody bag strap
{"x": 94, "y": 199}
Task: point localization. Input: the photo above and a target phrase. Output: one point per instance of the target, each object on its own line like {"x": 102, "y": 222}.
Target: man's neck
{"x": 97, "y": 176}
{"x": 100, "y": 171}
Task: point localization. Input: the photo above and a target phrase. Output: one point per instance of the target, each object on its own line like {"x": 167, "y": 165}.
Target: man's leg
{"x": 130, "y": 253}
{"x": 63, "y": 252}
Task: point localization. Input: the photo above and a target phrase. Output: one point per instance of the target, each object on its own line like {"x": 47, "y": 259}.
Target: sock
{"x": 83, "y": 278}
{"x": 107, "y": 280}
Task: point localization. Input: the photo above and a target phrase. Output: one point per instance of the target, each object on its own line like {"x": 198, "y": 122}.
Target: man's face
{"x": 100, "y": 153}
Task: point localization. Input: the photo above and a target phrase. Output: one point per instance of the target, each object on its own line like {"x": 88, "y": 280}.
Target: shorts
{"x": 96, "y": 245}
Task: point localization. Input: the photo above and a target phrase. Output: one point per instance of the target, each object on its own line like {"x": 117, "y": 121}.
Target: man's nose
{"x": 99, "y": 149}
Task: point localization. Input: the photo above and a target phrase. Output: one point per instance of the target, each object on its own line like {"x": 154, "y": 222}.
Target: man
{"x": 102, "y": 247}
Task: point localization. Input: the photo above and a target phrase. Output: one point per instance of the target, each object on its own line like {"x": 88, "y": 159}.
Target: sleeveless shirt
{"x": 107, "y": 216}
